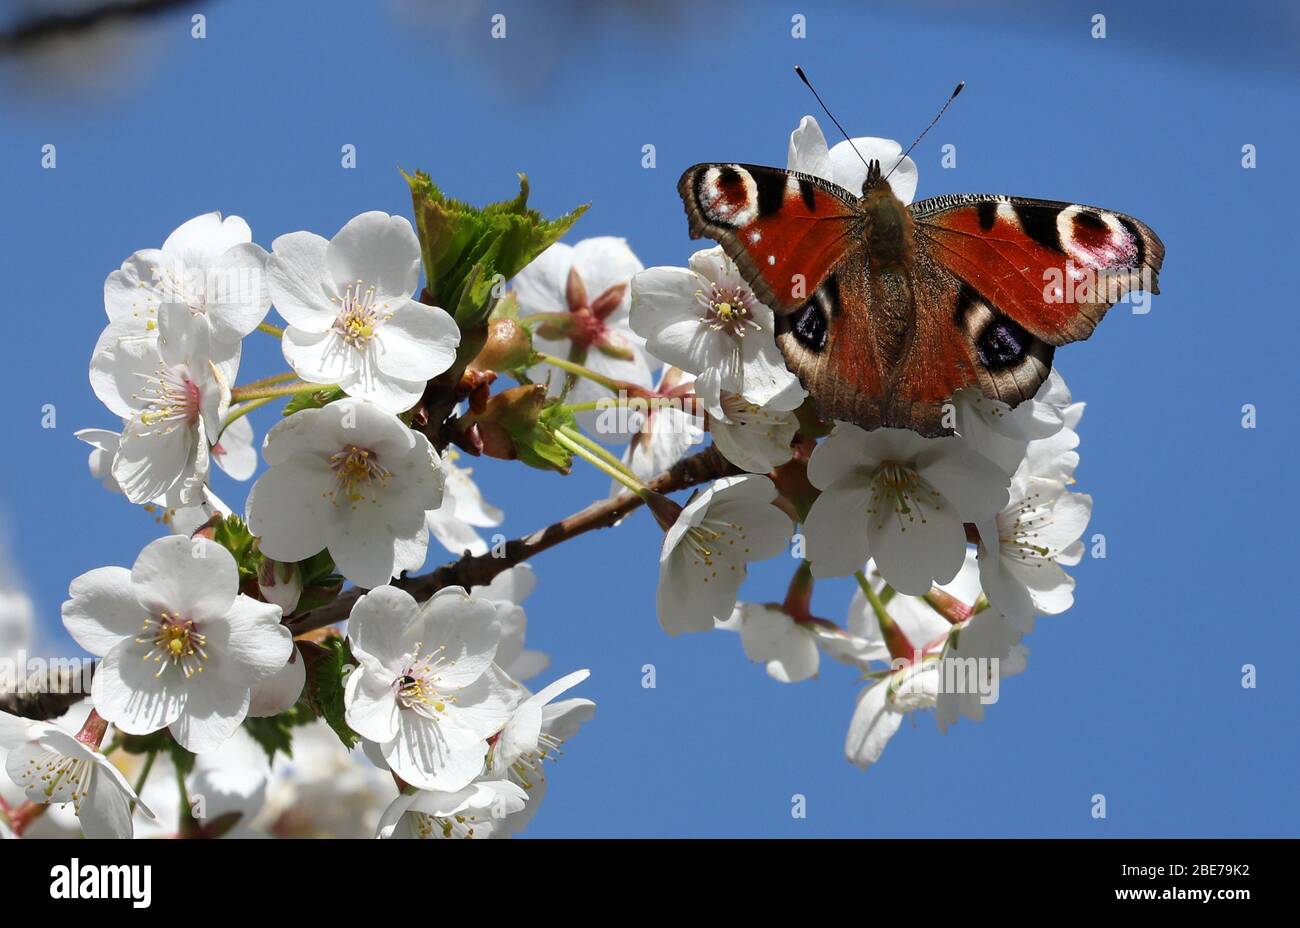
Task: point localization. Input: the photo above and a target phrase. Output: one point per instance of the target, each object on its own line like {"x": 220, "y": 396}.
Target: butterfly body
{"x": 885, "y": 310}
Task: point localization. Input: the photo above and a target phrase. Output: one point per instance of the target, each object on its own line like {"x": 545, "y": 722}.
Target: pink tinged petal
{"x": 213, "y": 713}
{"x": 371, "y": 705}
{"x": 238, "y": 297}
{"x": 920, "y": 547}
{"x": 380, "y": 621}
{"x": 290, "y": 508}
{"x": 103, "y": 609}
{"x": 235, "y": 453}
{"x": 299, "y": 284}
{"x": 539, "y": 287}
{"x": 195, "y": 577}
{"x": 416, "y": 342}
{"x": 378, "y": 249}
{"x": 873, "y": 724}
{"x": 280, "y": 691}
{"x": 836, "y": 531}
{"x": 429, "y": 755}
{"x": 127, "y": 691}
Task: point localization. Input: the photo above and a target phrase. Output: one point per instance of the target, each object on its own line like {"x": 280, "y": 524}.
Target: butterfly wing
{"x": 786, "y": 231}
{"x": 1052, "y": 268}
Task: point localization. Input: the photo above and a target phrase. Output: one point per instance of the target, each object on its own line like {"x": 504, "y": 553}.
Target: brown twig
{"x": 46, "y": 27}
{"x": 49, "y": 698}
{"x": 477, "y": 570}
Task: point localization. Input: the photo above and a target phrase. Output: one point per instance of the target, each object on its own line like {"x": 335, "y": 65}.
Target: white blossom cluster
{"x": 957, "y": 543}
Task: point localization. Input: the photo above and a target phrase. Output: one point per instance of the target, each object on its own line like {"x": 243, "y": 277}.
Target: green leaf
{"x": 324, "y": 691}
{"x": 469, "y": 250}
{"x": 160, "y": 742}
{"x": 275, "y": 733}
{"x": 314, "y": 400}
{"x": 232, "y": 534}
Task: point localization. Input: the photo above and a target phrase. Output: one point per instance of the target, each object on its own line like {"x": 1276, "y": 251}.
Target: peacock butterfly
{"x": 885, "y": 310}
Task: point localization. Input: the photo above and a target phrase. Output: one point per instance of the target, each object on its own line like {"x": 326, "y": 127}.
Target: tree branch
{"x": 47, "y": 697}
{"x": 477, "y": 570}
{"x": 40, "y": 29}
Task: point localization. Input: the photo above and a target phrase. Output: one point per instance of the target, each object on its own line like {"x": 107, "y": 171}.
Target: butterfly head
{"x": 874, "y": 176}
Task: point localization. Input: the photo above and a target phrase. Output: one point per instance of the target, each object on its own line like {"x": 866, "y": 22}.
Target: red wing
{"x": 786, "y": 231}
{"x": 1054, "y": 268}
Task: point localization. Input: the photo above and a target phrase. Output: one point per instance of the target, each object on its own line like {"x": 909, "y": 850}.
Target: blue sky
{"x": 1135, "y": 693}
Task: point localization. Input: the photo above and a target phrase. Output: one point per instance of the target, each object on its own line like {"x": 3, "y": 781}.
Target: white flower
{"x": 232, "y": 780}
{"x": 234, "y": 451}
{"x": 477, "y": 811}
{"x": 584, "y": 289}
{"x": 462, "y": 511}
{"x": 1001, "y": 434}
{"x": 527, "y": 739}
{"x": 705, "y": 552}
{"x": 16, "y": 610}
{"x": 751, "y": 437}
{"x": 181, "y": 647}
{"x": 352, "y": 478}
{"x": 181, "y": 520}
{"x": 52, "y": 766}
{"x": 351, "y": 317}
{"x": 209, "y": 267}
{"x": 842, "y": 165}
{"x": 666, "y": 430}
{"x": 172, "y": 385}
{"x": 536, "y": 732}
{"x": 705, "y": 320}
{"x": 912, "y": 687}
{"x": 770, "y": 636}
{"x": 1024, "y": 545}
{"x": 426, "y": 692}
{"x": 902, "y": 499}
{"x": 507, "y": 593}
{"x": 323, "y": 790}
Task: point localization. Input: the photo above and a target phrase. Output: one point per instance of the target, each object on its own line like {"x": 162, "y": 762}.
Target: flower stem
{"x": 598, "y": 462}
{"x": 596, "y": 448}
{"x": 578, "y": 370}
{"x": 271, "y": 381}
{"x": 895, "y": 639}
{"x": 270, "y": 329}
{"x": 239, "y": 394}
{"x": 240, "y": 411}
{"x": 144, "y": 774}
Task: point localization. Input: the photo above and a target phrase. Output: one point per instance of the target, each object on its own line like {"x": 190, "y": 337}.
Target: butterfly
{"x": 884, "y": 311}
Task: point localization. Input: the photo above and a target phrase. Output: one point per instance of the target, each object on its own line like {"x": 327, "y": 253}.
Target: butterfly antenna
{"x": 947, "y": 103}
{"x": 804, "y": 77}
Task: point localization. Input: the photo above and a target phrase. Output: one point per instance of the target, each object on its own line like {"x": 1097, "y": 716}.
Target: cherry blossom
{"x": 706, "y": 552}
{"x": 352, "y": 320}
{"x": 181, "y": 646}
{"x": 352, "y": 478}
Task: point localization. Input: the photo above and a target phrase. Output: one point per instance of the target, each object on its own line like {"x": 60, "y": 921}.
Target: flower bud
{"x": 509, "y": 346}
{"x": 280, "y": 584}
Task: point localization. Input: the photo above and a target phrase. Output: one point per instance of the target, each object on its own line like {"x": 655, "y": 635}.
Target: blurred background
{"x": 1136, "y": 693}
